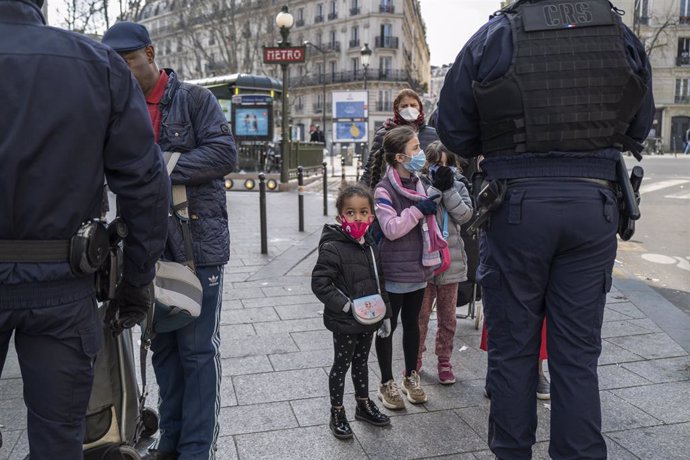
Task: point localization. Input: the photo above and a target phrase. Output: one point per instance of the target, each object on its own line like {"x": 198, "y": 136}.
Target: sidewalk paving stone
{"x": 656, "y": 443}
{"x": 650, "y": 346}
{"x": 662, "y": 370}
{"x": 280, "y": 386}
{"x": 256, "y": 418}
{"x": 660, "y": 400}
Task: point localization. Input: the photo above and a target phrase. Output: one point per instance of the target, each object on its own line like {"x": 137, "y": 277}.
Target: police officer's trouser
{"x": 56, "y": 342}
{"x": 188, "y": 372}
{"x": 549, "y": 251}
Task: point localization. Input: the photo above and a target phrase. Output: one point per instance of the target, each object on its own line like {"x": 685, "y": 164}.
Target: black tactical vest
{"x": 569, "y": 88}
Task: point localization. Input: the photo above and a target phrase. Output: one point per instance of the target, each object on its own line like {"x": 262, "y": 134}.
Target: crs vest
{"x": 569, "y": 88}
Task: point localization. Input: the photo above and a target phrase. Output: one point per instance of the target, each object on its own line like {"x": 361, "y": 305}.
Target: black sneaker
{"x": 368, "y": 412}
{"x": 339, "y": 426}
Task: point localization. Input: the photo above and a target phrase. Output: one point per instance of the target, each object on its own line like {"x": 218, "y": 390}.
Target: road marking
{"x": 659, "y": 259}
{"x": 662, "y": 185}
{"x": 683, "y": 264}
{"x": 679, "y": 196}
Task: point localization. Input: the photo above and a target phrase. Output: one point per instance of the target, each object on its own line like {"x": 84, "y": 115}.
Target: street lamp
{"x": 366, "y": 57}
{"x": 323, "y": 87}
{"x": 284, "y": 21}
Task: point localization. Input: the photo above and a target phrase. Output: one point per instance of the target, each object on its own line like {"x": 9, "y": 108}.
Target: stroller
{"x": 116, "y": 418}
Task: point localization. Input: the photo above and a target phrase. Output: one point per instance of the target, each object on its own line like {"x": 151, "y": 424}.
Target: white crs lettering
{"x": 567, "y": 13}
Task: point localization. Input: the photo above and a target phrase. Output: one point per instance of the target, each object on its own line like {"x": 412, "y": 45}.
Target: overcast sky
{"x": 450, "y": 23}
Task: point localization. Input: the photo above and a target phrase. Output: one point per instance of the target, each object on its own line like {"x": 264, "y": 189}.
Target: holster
{"x": 629, "y": 198}
{"x": 88, "y": 248}
{"x": 489, "y": 198}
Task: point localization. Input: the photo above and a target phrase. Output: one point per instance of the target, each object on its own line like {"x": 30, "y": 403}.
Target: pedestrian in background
{"x": 348, "y": 268}
{"x": 409, "y": 252}
{"x": 71, "y": 116}
{"x": 408, "y": 110}
{"x": 520, "y": 93}
{"x": 454, "y": 209}
{"x": 187, "y": 119}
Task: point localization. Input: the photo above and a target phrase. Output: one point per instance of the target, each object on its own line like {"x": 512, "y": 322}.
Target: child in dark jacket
{"x": 345, "y": 271}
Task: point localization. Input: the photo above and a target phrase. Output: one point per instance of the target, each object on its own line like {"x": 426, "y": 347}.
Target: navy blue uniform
{"x": 549, "y": 250}
{"x": 71, "y": 114}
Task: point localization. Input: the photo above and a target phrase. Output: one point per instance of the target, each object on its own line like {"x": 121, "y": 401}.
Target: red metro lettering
{"x": 567, "y": 14}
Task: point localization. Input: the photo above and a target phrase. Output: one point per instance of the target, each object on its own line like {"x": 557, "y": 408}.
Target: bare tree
{"x": 96, "y": 16}
{"x": 661, "y": 26}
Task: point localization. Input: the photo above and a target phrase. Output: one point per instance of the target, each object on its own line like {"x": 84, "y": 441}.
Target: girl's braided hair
{"x": 394, "y": 142}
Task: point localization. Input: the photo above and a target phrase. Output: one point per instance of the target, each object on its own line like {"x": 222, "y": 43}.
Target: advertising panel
{"x": 252, "y": 118}
{"x": 350, "y": 113}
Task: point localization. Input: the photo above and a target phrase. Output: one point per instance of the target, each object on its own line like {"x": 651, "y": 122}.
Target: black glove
{"x": 130, "y": 305}
{"x": 427, "y": 206}
{"x": 443, "y": 178}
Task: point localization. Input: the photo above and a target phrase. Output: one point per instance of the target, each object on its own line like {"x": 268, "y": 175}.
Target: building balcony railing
{"x": 354, "y": 43}
{"x": 299, "y": 23}
{"x": 332, "y": 16}
{"x": 384, "y": 106}
{"x": 393, "y": 75}
{"x": 317, "y": 107}
{"x": 386, "y": 41}
{"x": 355, "y": 11}
{"x": 683, "y": 61}
{"x": 318, "y": 19}
{"x": 682, "y": 99}
{"x": 332, "y": 47}
{"x": 387, "y": 9}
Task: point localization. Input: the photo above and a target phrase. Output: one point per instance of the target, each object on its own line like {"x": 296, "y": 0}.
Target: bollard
{"x": 342, "y": 169}
{"x": 300, "y": 196}
{"x": 262, "y": 213}
{"x": 325, "y": 189}
{"x": 357, "y": 173}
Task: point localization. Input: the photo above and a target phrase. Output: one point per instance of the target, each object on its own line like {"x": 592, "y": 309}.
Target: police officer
{"x": 549, "y": 92}
{"x": 188, "y": 120}
{"x": 71, "y": 113}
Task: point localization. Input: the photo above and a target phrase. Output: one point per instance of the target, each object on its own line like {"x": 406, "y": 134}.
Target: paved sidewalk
{"x": 277, "y": 355}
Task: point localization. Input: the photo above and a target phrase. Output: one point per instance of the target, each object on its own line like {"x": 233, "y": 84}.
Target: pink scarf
{"x": 433, "y": 241}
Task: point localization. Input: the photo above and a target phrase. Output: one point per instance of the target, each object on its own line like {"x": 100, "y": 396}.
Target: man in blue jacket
{"x": 187, "y": 119}
{"x": 71, "y": 114}
{"x": 549, "y": 92}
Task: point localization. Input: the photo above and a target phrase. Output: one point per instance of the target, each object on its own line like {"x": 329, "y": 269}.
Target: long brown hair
{"x": 394, "y": 142}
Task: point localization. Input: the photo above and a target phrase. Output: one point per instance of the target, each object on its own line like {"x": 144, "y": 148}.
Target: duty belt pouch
{"x": 88, "y": 248}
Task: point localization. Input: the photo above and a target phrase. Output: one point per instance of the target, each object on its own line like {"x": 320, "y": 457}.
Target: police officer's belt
{"x": 16, "y": 251}
{"x": 601, "y": 182}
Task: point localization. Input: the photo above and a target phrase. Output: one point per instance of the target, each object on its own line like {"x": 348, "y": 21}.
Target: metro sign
{"x": 289, "y": 55}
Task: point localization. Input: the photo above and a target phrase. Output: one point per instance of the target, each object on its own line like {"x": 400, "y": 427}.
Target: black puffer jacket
{"x": 345, "y": 271}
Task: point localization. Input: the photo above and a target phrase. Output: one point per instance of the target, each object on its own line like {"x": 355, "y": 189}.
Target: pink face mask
{"x": 355, "y": 229}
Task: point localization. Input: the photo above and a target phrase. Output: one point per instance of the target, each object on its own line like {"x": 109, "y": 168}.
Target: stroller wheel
{"x": 149, "y": 418}
{"x": 129, "y": 453}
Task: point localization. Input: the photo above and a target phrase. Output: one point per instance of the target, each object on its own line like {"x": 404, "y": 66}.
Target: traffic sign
{"x": 289, "y": 55}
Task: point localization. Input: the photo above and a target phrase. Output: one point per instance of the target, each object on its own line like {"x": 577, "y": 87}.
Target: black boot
{"x": 339, "y": 426}
{"x": 368, "y": 412}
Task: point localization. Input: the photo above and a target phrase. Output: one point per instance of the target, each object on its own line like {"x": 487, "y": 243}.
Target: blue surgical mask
{"x": 416, "y": 163}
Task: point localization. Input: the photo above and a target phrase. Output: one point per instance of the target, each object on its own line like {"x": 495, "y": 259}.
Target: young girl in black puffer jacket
{"x": 345, "y": 271}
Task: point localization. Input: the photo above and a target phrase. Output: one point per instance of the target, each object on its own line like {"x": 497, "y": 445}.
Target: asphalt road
{"x": 659, "y": 252}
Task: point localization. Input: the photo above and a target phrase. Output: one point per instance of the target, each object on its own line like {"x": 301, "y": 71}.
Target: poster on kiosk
{"x": 350, "y": 112}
